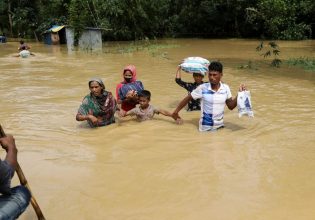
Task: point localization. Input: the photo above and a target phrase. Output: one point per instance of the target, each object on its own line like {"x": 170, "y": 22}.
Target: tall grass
{"x": 304, "y": 62}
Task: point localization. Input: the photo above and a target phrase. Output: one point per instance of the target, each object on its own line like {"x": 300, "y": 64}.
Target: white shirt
{"x": 212, "y": 105}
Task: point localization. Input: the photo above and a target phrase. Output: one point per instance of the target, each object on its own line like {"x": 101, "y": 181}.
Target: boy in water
{"x": 193, "y": 105}
{"x": 145, "y": 111}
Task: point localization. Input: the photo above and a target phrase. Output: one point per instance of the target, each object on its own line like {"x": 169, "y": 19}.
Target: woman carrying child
{"x": 127, "y": 91}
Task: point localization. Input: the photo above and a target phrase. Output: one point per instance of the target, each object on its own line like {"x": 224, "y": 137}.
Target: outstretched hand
{"x": 179, "y": 121}
{"x": 122, "y": 113}
{"x": 175, "y": 116}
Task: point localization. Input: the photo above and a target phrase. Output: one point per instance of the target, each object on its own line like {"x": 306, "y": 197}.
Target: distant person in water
{"x": 24, "y": 50}
{"x": 145, "y": 111}
{"x": 23, "y": 46}
{"x": 193, "y": 105}
{"x": 127, "y": 91}
{"x": 98, "y": 107}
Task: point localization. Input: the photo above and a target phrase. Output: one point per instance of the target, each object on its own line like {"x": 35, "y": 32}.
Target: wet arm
{"x": 232, "y": 102}
{"x": 81, "y": 117}
{"x": 164, "y": 112}
{"x": 8, "y": 143}
{"x": 178, "y": 73}
{"x": 180, "y": 106}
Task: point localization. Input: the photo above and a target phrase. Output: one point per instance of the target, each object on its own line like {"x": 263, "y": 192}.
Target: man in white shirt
{"x": 214, "y": 96}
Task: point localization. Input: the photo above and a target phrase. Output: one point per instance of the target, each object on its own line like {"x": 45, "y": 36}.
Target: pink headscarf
{"x": 133, "y": 71}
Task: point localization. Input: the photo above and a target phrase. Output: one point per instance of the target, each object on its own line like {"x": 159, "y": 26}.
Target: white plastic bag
{"x": 244, "y": 104}
{"x": 24, "y": 53}
{"x": 195, "y": 65}
{"x": 200, "y": 60}
{"x": 194, "y": 68}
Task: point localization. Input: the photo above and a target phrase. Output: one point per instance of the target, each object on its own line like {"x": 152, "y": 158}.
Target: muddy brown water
{"x": 260, "y": 168}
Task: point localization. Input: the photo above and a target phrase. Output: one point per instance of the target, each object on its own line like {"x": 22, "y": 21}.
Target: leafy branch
{"x": 271, "y": 50}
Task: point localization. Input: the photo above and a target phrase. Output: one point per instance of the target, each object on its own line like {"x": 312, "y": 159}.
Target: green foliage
{"x": 52, "y": 12}
{"x": 141, "y": 19}
{"x": 280, "y": 19}
{"x": 78, "y": 18}
{"x": 304, "y": 62}
{"x": 272, "y": 50}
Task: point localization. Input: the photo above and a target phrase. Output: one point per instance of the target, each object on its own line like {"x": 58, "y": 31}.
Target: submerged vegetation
{"x": 304, "y": 62}
{"x": 155, "y": 48}
{"x": 272, "y": 50}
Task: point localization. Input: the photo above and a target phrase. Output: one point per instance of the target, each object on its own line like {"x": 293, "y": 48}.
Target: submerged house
{"x": 90, "y": 39}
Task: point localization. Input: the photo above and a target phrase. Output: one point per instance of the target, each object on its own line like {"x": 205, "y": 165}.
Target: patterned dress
{"x": 103, "y": 108}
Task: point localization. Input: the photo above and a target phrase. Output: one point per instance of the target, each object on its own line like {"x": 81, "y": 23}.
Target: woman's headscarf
{"x": 103, "y": 107}
{"x": 133, "y": 71}
{"x": 95, "y": 79}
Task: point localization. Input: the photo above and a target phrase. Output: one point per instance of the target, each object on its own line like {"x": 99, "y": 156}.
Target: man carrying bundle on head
{"x": 214, "y": 95}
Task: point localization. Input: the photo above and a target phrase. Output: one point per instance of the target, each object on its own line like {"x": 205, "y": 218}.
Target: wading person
{"x": 23, "y": 46}
{"x": 214, "y": 96}
{"x": 13, "y": 201}
{"x": 127, "y": 91}
{"x": 24, "y": 50}
{"x": 98, "y": 107}
{"x": 193, "y": 105}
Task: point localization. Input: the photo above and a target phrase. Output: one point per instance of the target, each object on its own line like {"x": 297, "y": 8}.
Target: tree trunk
{"x": 35, "y": 35}
{"x": 10, "y": 18}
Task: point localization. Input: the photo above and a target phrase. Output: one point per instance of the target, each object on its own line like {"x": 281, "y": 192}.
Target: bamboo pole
{"x": 23, "y": 182}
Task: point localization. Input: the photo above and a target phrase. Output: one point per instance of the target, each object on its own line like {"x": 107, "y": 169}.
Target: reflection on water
{"x": 260, "y": 168}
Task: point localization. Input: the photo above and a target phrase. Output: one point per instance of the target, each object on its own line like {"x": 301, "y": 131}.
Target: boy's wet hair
{"x": 216, "y": 66}
{"x": 145, "y": 94}
{"x": 198, "y": 74}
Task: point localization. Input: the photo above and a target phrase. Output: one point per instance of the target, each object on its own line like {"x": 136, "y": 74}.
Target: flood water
{"x": 255, "y": 168}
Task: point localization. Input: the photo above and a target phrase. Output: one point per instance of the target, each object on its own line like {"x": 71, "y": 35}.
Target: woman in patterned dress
{"x": 98, "y": 107}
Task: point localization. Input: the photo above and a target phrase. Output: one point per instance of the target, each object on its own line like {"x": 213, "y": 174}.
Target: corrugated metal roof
{"x": 56, "y": 28}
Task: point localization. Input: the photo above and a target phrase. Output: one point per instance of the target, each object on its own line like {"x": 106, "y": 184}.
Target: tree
{"x": 280, "y": 19}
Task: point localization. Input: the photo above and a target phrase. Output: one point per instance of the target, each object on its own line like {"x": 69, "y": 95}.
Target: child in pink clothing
{"x": 145, "y": 111}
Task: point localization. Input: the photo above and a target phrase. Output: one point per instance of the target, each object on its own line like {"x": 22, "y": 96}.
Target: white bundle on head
{"x": 195, "y": 65}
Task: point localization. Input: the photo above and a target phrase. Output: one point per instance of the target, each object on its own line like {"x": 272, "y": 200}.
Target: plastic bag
{"x": 194, "y": 68}
{"x": 244, "y": 104}
{"x": 200, "y": 60}
{"x": 25, "y": 53}
{"x": 195, "y": 65}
